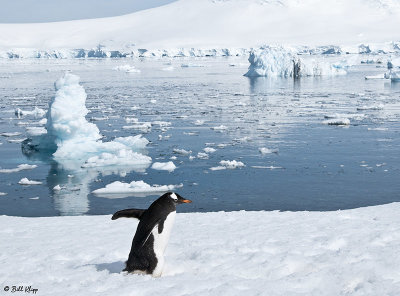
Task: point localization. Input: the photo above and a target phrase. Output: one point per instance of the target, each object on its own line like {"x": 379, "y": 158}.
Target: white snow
{"x": 164, "y": 166}
{"x": 208, "y": 27}
{"x": 79, "y": 140}
{"x": 138, "y": 187}
{"x": 26, "y": 181}
{"x": 19, "y": 168}
{"x": 283, "y": 62}
{"x": 351, "y": 252}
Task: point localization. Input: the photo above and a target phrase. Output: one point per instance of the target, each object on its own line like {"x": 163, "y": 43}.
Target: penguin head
{"x": 176, "y": 198}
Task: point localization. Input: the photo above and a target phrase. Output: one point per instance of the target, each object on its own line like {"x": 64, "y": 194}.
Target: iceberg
{"x": 71, "y": 138}
{"x": 283, "y": 62}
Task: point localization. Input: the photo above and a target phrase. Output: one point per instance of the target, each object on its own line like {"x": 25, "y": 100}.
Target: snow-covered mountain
{"x": 218, "y": 24}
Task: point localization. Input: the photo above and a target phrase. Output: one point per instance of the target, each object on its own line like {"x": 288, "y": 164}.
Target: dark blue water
{"x": 317, "y": 166}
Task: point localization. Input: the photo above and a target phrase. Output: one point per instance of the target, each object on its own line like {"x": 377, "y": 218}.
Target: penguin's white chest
{"x": 161, "y": 241}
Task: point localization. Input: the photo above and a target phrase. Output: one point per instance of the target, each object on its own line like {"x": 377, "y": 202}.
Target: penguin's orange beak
{"x": 186, "y": 201}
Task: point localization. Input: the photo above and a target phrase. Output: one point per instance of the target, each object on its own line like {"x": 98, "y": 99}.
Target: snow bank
{"x": 209, "y": 28}
{"x": 135, "y": 187}
{"x": 164, "y": 166}
{"x": 351, "y": 252}
{"x": 73, "y": 138}
{"x": 283, "y": 62}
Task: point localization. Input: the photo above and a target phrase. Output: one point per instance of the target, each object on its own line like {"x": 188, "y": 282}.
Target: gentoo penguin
{"x": 152, "y": 234}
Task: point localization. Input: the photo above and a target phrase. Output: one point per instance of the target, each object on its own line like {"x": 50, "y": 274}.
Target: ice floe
{"x": 228, "y": 164}
{"x": 26, "y": 181}
{"x": 127, "y": 68}
{"x": 164, "y": 166}
{"x": 135, "y": 187}
{"x": 282, "y": 62}
{"x": 265, "y": 150}
{"x": 21, "y": 167}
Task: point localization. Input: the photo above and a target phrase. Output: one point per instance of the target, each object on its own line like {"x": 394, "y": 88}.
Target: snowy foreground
{"x": 352, "y": 252}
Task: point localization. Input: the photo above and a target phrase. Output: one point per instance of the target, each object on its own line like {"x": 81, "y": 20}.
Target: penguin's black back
{"x": 142, "y": 256}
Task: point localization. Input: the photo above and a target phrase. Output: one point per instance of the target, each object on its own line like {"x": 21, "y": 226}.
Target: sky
{"x": 36, "y": 11}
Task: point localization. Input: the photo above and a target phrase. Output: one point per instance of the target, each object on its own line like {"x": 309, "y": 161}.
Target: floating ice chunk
{"x": 164, "y": 166}
{"x": 356, "y": 116}
{"x": 135, "y": 187}
{"x": 170, "y": 68}
{"x": 19, "y": 168}
{"x": 36, "y": 131}
{"x": 161, "y": 123}
{"x": 379, "y": 76}
{"x": 10, "y": 134}
{"x": 218, "y": 168}
{"x": 141, "y": 126}
{"x": 127, "y": 68}
{"x": 43, "y": 121}
{"x": 75, "y": 139}
{"x": 264, "y": 150}
{"x": 26, "y": 181}
{"x": 231, "y": 164}
{"x": 372, "y": 107}
{"x": 34, "y": 198}
{"x": 16, "y": 140}
{"x": 266, "y": 167}
{"x": 191, "y": 65}
{"x": 395, "y": 76}
{"x": 182, "y": 151}
{"x": 282, "y": 62}
{"x": 202, "y": 155}
{"x": 199, "y": 122}
{"x": 37, "y": 112}
{"x": 337, "y": 121}
{"x": 57, "y": 188}
{"x": 209, "y": 150}
{"x": 219, "y": 128}
{"x": 3, "y": 193}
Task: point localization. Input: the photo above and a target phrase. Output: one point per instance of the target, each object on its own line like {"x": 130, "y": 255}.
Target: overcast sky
{"x": 28, "y": 11}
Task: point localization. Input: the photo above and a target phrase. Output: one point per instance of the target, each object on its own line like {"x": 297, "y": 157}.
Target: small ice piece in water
{"x": 36, "y": 131}
{"x": 202, "y": 155}
{"x": 173, "y": 157}
{"x": 372, "y": 107}
{"x": 231, "y": 164}
{"x": 337, "y": 121}
{"x": 19, "y": 168}
{"x": 164, "y": 166}
{"x": 218, "y": 168}
{"x": 10, "y": 134}
{"x": 199, "y": 122}
{"x": 135, "y": 187}
{"x": 34, "y": 198}
{"x": 127, "y": 68}
{"x": 182, "y": 151}
{"x": 3, "y": 193}
{"x": 219, "y": 128}
{"x": 57, "y": 187}
{"x": 26, "y": 181}
{"x": 264, "y": 150}
{"x": 37, "y": 112}
{"x": 209, "y": 150}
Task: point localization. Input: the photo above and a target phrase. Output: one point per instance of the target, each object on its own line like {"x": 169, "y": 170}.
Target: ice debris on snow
{"x": 164, "y": 166}
{"x": 19, "y": 168}
{"x": 26, "y": 181}
{"x": 134, "y": 187}
{"x": 282, "y": 62}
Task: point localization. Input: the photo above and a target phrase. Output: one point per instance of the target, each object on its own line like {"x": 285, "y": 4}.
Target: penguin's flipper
{"x": 142, "y": 239}
{"x": 128, "y": 213}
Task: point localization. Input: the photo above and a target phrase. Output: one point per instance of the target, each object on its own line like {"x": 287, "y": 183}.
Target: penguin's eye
{"x": 173, "y": 196}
